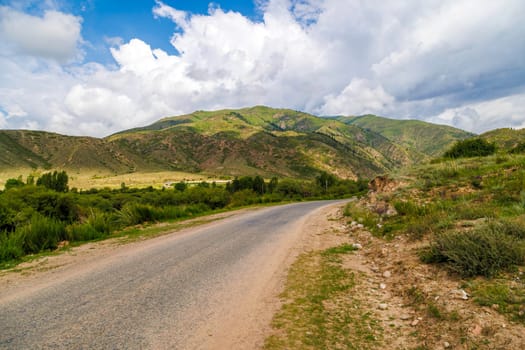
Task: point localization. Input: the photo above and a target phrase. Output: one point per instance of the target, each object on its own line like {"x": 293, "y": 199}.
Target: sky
{"x": 95, "y": 67}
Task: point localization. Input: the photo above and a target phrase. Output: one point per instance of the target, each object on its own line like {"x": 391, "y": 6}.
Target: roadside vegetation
{"x": 320, "y": 311}
{"x": 467, "y": 211}
{"x": 41, "y": 214}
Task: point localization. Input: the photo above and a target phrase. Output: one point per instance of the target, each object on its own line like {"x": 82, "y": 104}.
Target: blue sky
{"x": 108, "y": 18}
{"x": 103, "y": 19}
{"x": 94, "y": 67}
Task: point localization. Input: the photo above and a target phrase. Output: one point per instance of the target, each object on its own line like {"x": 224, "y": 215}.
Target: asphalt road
{"x": 171, "y": 293}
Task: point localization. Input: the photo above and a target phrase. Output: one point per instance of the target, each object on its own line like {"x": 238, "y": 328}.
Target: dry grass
{"x": 96, "y": 179}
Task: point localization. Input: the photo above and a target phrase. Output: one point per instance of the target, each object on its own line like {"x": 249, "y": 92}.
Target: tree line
{"x": 37, "y": 214}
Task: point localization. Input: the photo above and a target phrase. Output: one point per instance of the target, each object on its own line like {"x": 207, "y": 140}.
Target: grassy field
{"x": 88, "y": 180}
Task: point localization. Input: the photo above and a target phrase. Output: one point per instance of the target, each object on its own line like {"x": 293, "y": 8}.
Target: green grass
{"x": 318, "y": 310}
{"x": 505, "y": 296}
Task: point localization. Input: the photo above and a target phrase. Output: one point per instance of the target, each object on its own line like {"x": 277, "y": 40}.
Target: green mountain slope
{"x": 258, "y": 140}
{"x": 418, "y": 136}
{"x": 267, "y": 141}
{"x": 506, "y": 138}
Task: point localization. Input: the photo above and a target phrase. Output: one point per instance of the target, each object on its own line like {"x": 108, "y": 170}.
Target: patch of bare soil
{"x": 421, "y": 306}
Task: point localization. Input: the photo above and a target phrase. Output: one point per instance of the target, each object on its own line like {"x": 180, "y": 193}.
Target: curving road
{"x": 191, "y": 290}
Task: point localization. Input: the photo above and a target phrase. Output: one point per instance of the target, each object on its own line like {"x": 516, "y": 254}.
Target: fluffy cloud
{"x": 458, "y": 62}
{"x": 360, "y": 96}
{"x": 479, "y": 117}
{"x": 56, "y": 35}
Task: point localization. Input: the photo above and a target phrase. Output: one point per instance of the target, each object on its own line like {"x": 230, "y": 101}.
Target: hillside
{"x": 258, "y": 140}
{"x": 418, "y": 136}
{"x": 506, "y": 138}
{"x": 432, "y": 257}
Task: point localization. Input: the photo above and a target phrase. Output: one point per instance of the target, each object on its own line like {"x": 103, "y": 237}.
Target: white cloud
{"x": 359, "y": 97}
{"x": 484, "y": 116}
{"x": 3, "y": 120}
{"x": 458, "y": 62}
{"x": 56, "y": 35}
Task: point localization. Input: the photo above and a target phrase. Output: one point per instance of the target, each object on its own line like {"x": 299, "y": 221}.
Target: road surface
{"x": 209, "y": 287}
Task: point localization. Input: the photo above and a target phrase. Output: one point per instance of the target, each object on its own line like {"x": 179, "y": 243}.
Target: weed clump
{"x": 485, "y": 251}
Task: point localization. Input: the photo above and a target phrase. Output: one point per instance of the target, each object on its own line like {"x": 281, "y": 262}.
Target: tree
{"x": 180, "y": 186}
{"x": 325, "y": 180}
{"x": 258, "y": 185}
{"x": 272, "y": 185}
{"x": 12, "y": 183}
{"x": 56, "y": 181}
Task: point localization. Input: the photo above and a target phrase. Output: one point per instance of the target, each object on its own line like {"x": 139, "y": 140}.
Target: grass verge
{"x": 319, "y": 311}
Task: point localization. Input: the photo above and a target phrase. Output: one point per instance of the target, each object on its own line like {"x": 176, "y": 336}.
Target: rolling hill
{"x": 416, "y": 135}
{"x": 258, "y": 140}
{"x": 505, "y": 138}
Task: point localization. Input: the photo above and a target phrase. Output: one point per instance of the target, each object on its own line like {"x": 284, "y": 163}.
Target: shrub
{"x": 134, "y": 214}
{"x": 244, "y": 197}
{"x": 10, "y": 247}
{"x": 83, "y": 232}
{"x": 409, "y": 208}
{"x": 471, "y": 148}
{"x": 519, "y": 148}
{"x": 484, "y": 251}
{"x": 41, "y": 233}
{"x": 13, "y": 183}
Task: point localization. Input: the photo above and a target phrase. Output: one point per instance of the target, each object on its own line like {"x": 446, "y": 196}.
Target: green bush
{"x": 409, "y": 208}
{"x": 471, "y": 148}
{"x": 41, "y": 233}
{"x": 135, "y": 213}
{"x": 10, "y": 246}
{"x": 519, "y": 148}
{"x": 83, "y": 232}
{"x": 484, "y": 251}
{"x": 98, "y": 225}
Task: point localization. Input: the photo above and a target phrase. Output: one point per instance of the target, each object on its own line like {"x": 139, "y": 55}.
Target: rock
{"x": 353, "y": 223}
{"x": 62, "y": 244}
{"x": 382, "y": 285}
{"x": 383, "y": 306}
{"x": 414, "y": 323}
{"x": 387, "y": 274}
{"x": 391, "y": 212}
{"x": 476, "y": 330}
{"x": 460, "y": 294}
{"x": 405, "y": 317}
{"x": 360, "y": 226}
{"x": 495, "y": 306}
{"x": 357, "y": 246}
{"x": 446, "y": 345}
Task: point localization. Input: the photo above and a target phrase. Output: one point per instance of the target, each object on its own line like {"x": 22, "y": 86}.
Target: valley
{"x": 427, "y": 251}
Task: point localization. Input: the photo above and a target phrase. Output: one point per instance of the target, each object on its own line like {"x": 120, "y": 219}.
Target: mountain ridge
{"x": 256, "y": 140}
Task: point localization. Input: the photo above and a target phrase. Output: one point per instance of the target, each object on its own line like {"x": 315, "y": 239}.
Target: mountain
{"x": 505, "y": 138}
{"x": 258, "y": 140}
{"x": 418, "y": 136}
